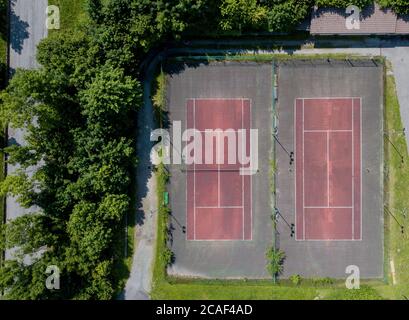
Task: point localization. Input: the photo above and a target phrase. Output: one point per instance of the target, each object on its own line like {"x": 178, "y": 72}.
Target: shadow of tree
{"x": 3, "y": 73}
{"x": 3, "y": 19}
{"x": 19, "y": 29}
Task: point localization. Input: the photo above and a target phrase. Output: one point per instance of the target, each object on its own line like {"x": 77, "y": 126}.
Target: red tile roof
{"x": 373, "y": 20}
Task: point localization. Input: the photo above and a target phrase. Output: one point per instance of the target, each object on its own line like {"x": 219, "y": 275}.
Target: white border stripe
{"x": 353, "y": 171}
{"x": 353, "y": 167}
{"x": 219, "y": 170}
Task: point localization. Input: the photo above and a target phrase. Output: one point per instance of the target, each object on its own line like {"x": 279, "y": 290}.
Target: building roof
{"x": 373, "y": 20}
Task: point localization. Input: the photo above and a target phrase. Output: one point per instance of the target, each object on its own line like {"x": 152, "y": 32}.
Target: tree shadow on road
{"x": 19, "y": 29}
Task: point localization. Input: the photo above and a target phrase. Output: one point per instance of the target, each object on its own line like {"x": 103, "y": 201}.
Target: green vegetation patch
{"x": 72, "y": 13}
{"x": 396, "y": 197}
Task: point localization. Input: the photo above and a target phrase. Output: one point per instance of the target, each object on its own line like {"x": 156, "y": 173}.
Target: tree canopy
{"x": 76, "y": 109}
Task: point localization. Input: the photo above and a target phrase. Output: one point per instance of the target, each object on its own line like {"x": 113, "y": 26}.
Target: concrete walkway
{"x": 27, "y": 29}
{"x": 139, "y": 283}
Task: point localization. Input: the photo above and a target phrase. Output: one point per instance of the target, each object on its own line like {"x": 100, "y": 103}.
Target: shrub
{"x": 295, "y": 279}
{"x": 168, "y": 257}
{"x": 275, "y": 260}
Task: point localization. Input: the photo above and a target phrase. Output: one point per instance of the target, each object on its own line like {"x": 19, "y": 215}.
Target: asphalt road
{"x": 27, "y": 28}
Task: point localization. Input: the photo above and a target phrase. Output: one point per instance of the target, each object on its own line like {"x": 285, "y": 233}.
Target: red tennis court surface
{"x": 219, "y": 198}
{"x": 328, "y": 168}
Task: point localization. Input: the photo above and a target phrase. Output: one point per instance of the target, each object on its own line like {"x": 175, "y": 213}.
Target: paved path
{"x": 138, "y": 285}
{"x": 27, "y": 28}
{"x": 399, "y": 56}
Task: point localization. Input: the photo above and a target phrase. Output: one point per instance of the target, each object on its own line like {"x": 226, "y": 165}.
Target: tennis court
{"x": 330, "y": 115}
{"x": 220, "y": 223}
{"x": 328, "y": 168}
{"x": 218, "y": 196}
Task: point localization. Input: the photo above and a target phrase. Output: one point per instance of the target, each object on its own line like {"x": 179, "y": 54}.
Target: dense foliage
{"x": 76, "y": 109}
{"x": 343, "y": 3}
{"x": 399, "y": 6}
{"x": 271, "y": 15}
{"x": 3, "y": 41}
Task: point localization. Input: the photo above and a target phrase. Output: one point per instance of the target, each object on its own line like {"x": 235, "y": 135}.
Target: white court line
{"x": 218, "y": 168}
{"x": 303, "y": 173}
{"x": 241, "y": 99}
{"x": 251, "y": 176}
{"x": 360, "y": 169}
{"x": 353, "y": 171}
{"x": 295, "y": 167}
{"x": 328, "y": 207}
{"x": 186, "y": 214}
{"x": 219, "y": 207}
{"x": 328, "y": 169}
{"x": 353, "y": 168}
{"x": 242, "y": 177}
{"x": 335, "y": 130}
{"x": 233, "y": 170}
{"x": 330, "y": 98}
{"x": 194, "y": 176}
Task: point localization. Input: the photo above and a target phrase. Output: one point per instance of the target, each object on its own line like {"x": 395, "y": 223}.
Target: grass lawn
{"x": 396, "y": 197}
{"x": 72, "y": 13}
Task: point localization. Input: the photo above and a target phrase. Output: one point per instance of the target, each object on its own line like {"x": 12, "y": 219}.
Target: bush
{"x": 363, "y": 293}
{"x": 323, "y": 281}
{"x": 343, "y": 3}
{"x": 275, "y": 263}
{"x": 399, "y": 6}
{"x": 242, "y": 14}
{"x": 283, "y": 15}
{"x": 168, "y": 257}
{"x": 295, "y": 279}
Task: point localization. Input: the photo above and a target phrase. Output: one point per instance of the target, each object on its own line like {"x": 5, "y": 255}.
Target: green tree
{"x": 283, "y": 15}
{"x": 399, "y": 6}
{"x": 94, "y": 10}
{"x": 275, "y": 261}
{"x": 242, "y": 14}
{"x": 343, "y": 3}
